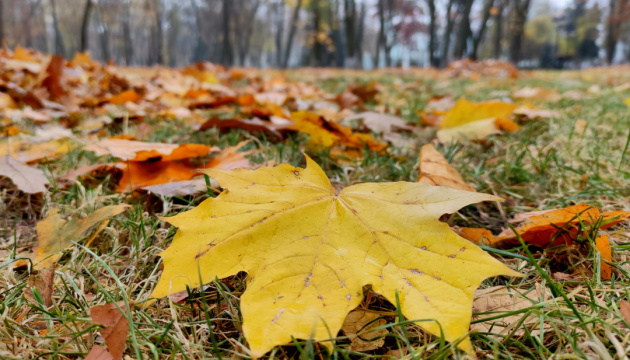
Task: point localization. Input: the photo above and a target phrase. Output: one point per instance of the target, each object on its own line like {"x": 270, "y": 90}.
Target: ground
{"x": 579, "y": 155}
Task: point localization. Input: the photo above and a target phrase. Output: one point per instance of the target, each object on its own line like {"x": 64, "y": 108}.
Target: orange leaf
{"x": 602, "y": 244}
{"x": 478, "y": 236}
{"x": 125, "y": 97}
{"x": 543, "y": 230}
{"x": 329, "y": 133}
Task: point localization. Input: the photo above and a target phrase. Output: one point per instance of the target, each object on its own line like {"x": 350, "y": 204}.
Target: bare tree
{"x": 279, "y": 12}
{"x": 126, "y": 30}
{"x": 447, "y": 33}
{"x": 85, "y": 25}
{"x": 619, "y": 14}
{"x": 487, "y": 6}
{"x": 432, "y": 31}
{"x": 244, "y": 21}
{"x": 103, "y": 34}
{"x": 359, "y": 37}
{"x": 380, "y": 41}
{"x": 1, "y": 21}
{"x": 292, "y": 30}
{"x": 226, "y": 54}
{"x": 517, "y": 27}
{"x": 60, "y": 49}
{"x": 463, "y": 32}
{"x": 498, "y": 29}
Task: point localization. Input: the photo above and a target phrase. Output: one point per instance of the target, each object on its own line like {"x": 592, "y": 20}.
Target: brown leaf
{"x": 379, "y": 123}
{"x": 193, "y": 186}
{"x": 254, "y": 124}
{"x": 435, "y": 170}
{"x": 624, "y": 308}
{"x": 28, "y": 179}
{"x": 99, "y": 353}
{"x": 42, "y": 280}
{"x": 53, "y": 81}
{"x": 360, "y": 324}
{"x": 116, "y": 326}
{"x": 499, "y": 299}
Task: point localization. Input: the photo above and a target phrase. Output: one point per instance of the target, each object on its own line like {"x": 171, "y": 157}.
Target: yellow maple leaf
{"x": 465, "y": 111}
{"x": 309, "y": 251}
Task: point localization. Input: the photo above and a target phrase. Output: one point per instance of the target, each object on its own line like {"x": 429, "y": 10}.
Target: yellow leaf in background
{"x": 627, "y": 101}
{"x": 26, "y": 152}
{"x": 329, "y": 133}
{"x": 309, "y": 251}
{"x": 466, "y": 111}
{"x": 55, "y": 234}
{"x": 470, "y": 131}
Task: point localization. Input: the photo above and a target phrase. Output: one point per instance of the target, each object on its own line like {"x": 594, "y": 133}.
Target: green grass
{"x": 544, "y": 165}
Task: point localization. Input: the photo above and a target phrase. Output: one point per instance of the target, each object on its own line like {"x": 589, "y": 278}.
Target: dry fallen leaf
{"x": 309, "y": 251}
{"x": 115, "y": 330}
{"x": 358, "y": 327}
{"x": 379, "y": 123}
{"x": 624, "y": 308}
{"x": 435, "y": 170}
{"x": 329, "y": 133}
{"x": 497, "y": 300}
{"x": 99, "y": 353}
{"x": 602, "y": 244}
{"x": 551, "y": 228}
{"x": 42, "y": 280}
{"x": 55, "y": 233}
{"x": 178, "y": 166}
{"x": 144, "y": 151}
{"x": 28, "y": 179}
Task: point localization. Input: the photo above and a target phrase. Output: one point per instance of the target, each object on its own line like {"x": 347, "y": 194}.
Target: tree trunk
{"x": 292, "y": 30}
{"x": 388, "y": 45}
{"x": 126, "y": 29}
{"x": 85, "y": 25}
{"x": 1, "y": 22}
{"x": 463, "y": 32}
{"x": 482, "y": 28}
{"x": 60, "y": 49}
{"x": 248, "y": 28}
{"x": 279, "y": 32}
{"x": 226, "y": 53}
{"x": 447, "y": 34}
{"x": 612, "y": 30}
{"x": 159, "y": 33}
{"x": 318, "y": 49}
{"x": 432, "y": 34}
{"x": 350, "y": 16}
{"x": 498, "y": 30}
{"x": 359, "y": 37}
{"x": 380, "y": 41}
{"x": 103, "y": 35}
{"x": 521, "y": 7}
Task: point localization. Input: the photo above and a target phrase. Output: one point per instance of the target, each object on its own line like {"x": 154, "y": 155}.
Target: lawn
{"x": 579, "y": 154}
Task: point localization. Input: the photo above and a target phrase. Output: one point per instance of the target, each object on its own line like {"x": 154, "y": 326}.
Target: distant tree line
{"x": 339, "y": 33}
